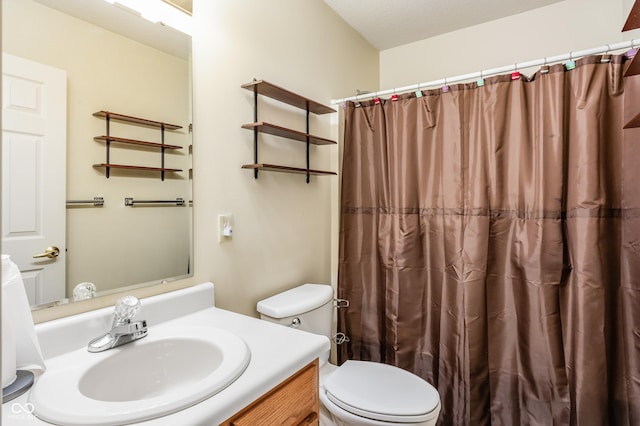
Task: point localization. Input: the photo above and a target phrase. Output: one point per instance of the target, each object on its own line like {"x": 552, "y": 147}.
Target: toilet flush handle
{"x": 295, "y": 323}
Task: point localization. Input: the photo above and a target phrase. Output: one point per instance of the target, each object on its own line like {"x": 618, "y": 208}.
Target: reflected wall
{"x": 114, "y": 245}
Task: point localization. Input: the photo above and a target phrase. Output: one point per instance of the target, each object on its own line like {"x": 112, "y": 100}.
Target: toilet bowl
{"x": 369, "y": 393}
{"x": 357, "y": 393}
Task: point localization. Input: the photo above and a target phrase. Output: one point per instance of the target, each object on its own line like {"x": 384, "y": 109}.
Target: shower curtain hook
{"x": 606, "y": 58}
{"x": 394, "y": 96}
{"x": 418, "y": 91}
{"x": 515, "y": 75}
{"x": 357, "y": 101}
{"x": 445, "y": 88}
{"x": 480, "y": 81}
{"x": 571, "y": 64}
{"x": 544, "y": 69}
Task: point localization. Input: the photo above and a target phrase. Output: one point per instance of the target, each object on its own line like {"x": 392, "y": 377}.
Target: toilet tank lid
{"x": 296, "y": 301}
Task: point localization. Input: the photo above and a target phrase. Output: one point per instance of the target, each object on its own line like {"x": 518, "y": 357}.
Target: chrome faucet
{"x": 122, "y": 329}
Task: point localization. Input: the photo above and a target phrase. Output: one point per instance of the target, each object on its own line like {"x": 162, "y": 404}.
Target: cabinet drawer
{"x": 293, "y": 402}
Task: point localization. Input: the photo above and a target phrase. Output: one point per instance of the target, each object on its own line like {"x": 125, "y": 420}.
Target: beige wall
{"x": 282, "y": 232}
{"x": 282, "y": 226}
{"x": 570, "y": 25}
{"x": 113, "y": 246}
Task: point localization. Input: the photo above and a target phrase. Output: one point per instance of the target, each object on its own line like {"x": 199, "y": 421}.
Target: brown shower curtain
{"x": 490, "y": 243}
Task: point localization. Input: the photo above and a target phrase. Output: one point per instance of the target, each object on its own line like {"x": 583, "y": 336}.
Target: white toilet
{"x": 358, "y": 392}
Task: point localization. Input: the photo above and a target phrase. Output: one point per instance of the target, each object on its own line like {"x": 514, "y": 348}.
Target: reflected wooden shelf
{"x": 136, "y": 120}
{"x": 295, "y": 135}
{"x": 283, "y": 95}
{"x": 128, "y": 167}
{"x": 285, "y": 169}
{"x": 136, "y": 142}
{"x": 108, "y": 139}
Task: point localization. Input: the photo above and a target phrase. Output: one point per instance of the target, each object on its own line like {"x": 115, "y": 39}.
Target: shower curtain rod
{"x": 485, "y": 73}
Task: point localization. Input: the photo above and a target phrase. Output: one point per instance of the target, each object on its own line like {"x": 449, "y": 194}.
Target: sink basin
{"x": 167, "y": 371}
{"x": 151, "y": 369}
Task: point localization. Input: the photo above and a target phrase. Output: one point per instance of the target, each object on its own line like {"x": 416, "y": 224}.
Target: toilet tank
{"x": 311, "y": 304}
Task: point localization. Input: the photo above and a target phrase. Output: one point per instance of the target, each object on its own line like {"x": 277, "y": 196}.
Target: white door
{"x": 34, "y": 134}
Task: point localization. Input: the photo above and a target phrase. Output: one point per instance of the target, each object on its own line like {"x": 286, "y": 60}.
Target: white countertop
{"x": 277, "y": 352}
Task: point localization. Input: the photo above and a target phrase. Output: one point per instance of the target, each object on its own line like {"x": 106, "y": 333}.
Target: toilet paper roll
{"x": 8, "y": 339}
{"x": 17, "y": 315}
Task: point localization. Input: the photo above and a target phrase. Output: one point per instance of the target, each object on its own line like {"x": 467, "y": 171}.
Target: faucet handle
{"x": 126, "y": 308}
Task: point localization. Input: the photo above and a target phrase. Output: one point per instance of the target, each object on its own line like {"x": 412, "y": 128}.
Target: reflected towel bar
{"x": 129, "y": 201}
{"x": 96, "y": 202}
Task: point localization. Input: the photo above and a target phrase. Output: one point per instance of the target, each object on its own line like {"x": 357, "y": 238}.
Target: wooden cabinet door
{"x": 294, "y": 402}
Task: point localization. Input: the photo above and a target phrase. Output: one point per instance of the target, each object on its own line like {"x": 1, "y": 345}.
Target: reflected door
{"x": 34, "y": 117}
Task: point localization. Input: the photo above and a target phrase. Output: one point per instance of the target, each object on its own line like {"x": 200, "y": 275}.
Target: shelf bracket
{"x": 107, "y": 146}
{"x": 162, "y": 152}
{"x": 255, "y": 131}
{"x": 308, "y": 144}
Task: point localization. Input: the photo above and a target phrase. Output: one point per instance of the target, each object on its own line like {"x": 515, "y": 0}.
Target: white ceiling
{"x": 384, "y": 23}
{"x": 391, "y": 23}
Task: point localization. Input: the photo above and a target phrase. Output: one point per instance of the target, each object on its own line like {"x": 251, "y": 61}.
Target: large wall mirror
{"x": 64, "y": 61}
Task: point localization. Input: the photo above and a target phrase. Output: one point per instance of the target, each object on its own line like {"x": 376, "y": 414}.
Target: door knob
{"x": 51, "y": 252}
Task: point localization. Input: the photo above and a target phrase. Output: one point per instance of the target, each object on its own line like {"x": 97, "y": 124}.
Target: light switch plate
{"x": 224, "y": 220}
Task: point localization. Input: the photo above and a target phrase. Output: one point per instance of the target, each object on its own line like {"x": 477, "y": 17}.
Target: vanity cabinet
{"x": 293, "y": 402}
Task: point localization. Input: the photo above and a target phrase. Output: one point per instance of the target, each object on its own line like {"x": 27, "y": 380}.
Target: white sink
{"x": 167, "y": 371}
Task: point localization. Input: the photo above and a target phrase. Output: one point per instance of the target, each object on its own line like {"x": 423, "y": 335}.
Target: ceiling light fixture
{"x": 157, "y": 11}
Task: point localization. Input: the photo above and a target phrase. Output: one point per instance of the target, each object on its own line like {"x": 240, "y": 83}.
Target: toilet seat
{"x": 382, "y": 392}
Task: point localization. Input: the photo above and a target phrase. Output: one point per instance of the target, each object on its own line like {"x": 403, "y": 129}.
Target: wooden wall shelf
{"x": 633, "y": 123}
{"x": 633, "y": 20}
{"x": 634, "y": 66}
{"x": 261, "y": 87}
{"x": 285, "y": 169}
{"x": 273, "y": 129}
{"x": 283, "y": 95}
